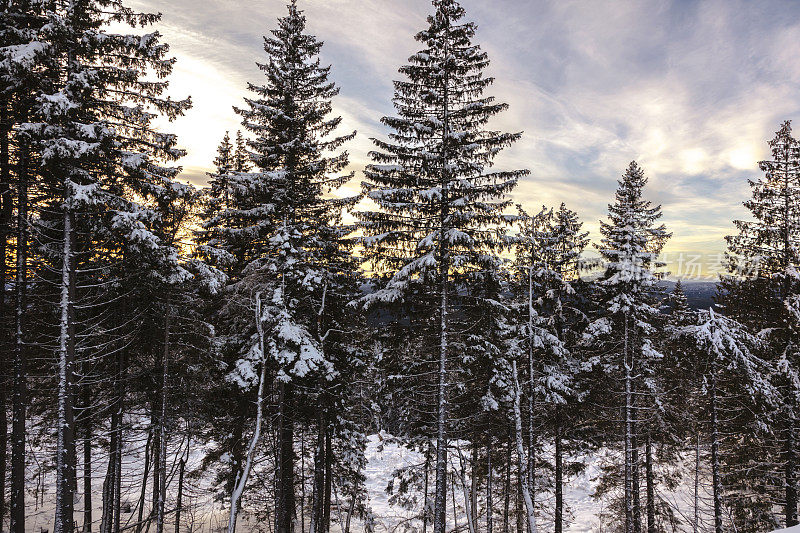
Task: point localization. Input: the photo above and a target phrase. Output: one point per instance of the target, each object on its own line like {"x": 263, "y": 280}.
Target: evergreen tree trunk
{"x": 426, "y": 505}
{"x": 145, "y": 476}
{"x": 20, "y": 394}
{"x": 440, "y": 498}
{"x": 179, "y": 500}
{"x": 523, "y": 467}
{"x": 489, "y": 485}
{"x": 696, "y": 518}
{"x": 155, "y": 412}
{"x": 715, "y": 463}
{"x": 650, "y": 482}
{"x": 319, "y": 477}
{"x": 790, "y": 463}
{"x": 532, "y": 394}
{"x": 635, "y": 477}
{"x": 5, "y": 231}
{"x": 507, "y": 491}
{"x": 65, "y": 472}
{"x": 559, "y": 475}
{"x": 326, "y": 506}
{"x": 87, "y": 460}
{"x": 162, "y": 422}
{"x": 285, "y": 501}
{"x": 629, "y": 517}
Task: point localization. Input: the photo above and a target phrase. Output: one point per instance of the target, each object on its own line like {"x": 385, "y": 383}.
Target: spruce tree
{"x": 101, "y": 161}
{"x": 627, "y": 319}
{"x": 438, "y": 199}
{"x": 282, "y": 237}
{"x": 761, "y": 291}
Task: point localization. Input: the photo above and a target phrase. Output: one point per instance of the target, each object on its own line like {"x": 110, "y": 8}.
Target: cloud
{"x": 692, "y": 90}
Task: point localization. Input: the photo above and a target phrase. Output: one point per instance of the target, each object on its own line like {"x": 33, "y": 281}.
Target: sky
{"x": 692, "y": 90}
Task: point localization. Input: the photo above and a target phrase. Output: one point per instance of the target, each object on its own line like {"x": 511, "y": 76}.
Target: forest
{"x": 179, "y": 358}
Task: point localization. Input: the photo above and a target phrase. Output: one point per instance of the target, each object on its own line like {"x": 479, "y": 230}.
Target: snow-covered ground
{"x": 384, "y": 456}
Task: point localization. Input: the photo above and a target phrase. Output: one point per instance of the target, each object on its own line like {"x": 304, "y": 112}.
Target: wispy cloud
{"x": 692, "y": 90}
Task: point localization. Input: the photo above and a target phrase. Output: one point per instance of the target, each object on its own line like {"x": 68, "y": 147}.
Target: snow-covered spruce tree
{"x": 624, "y": 329}
{"x": 734, "y": 380}
{"x": 282, "y": 236}
{"x": 100, "y": 161}
{"x": 23, "y": 73}
{"x": 550, "y": 296}
{"x": 439, "y": 202}
{"x": 761, "y": 291}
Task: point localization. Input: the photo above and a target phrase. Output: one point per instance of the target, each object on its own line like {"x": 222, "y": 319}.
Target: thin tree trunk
{"x": 87, "y": 461}
{"x": 474, "y": 481}
{"x": 326, "y": 503}
{"x": 507, "y": 492}
{"x": 790, "y": 466}
{"x": 489, "y": 485}
{"x": 715, "y": 464}
{"x": 635, "y": 476}
{"x": 350, "y": 512}
{"x": 285, "y": 499}
{"x": 319, "y": 477}
{"x": 64, "y": 471}
{"x": 162, "y": 421}
{"x": 5, "y": 231}
{"x": 145, "y": 477}
{"x": 426, "y": 505}
{"x": 240, "y": 483}
{"x": 629, "y": 518}
{"x": 466, "y": 492}
{"x": 20, "y": 395}
{"x": 531, "y": 472}
{"x": 650, "y": 482}
{"x": 440, "y": 498}
{"x": 523, "y": 467}
{"x": 696, "y": 520}
{"x": 179, "y": 501}
{"x": 559, "y": 475}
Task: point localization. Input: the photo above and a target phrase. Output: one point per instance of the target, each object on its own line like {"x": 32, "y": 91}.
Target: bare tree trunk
{"x": 489, "y": 485}
{"x": 440, "y": 498}
{"x": 696, "y": 521}
{"x": 87, "y": 461}
{"x": 319, "y": 478}
{"x": 629, "y": 517}
{"x": 285, "y": 499}
{"x": 240, "y": 483}
{"x": 179, "y": 501}
{"x": 20, "y": 395}
{"x": 650, "y": 482}
{"x": 326, "y": 518}
{"x": 559, "y": 475}
{"x": 65, "y": 472}
{"x": 790, "y": 465}
{"x": 635, "y": 475}
{"x": 145, "y": 477}
{"x": 5, "y": 232}
{"x": 715, "y": 463}
{"x": 426, "y": 505}
{"x": 474, "y": 481}
{"x": 162, "y": 422}
{"x": 507, "y": 491}
{"x": 466, "y": 492}
{"x": 523, "y": 466}
{"x": 531, "y": 471}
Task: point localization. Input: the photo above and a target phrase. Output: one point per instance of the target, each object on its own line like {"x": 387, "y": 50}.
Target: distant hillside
{"x": 700, "y": 294}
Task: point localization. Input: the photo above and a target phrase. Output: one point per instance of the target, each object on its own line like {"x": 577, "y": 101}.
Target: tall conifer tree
{"x": 439, "y": 200}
